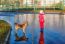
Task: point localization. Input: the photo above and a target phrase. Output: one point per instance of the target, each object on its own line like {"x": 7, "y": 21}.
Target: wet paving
{"x": 54, "y": 31}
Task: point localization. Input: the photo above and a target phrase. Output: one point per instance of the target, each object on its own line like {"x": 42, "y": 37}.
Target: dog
{"x": 23, "y": 27}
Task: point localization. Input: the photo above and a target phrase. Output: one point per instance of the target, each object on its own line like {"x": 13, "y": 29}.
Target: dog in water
{"x": 23, "y": 27}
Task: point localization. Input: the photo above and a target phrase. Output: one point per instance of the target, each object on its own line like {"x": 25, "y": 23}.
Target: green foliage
{"x": 64, "y": 7}
{"x": 59, "y": 5}
{"x": 7, "y": 5}
{"x": 4, "y": 29}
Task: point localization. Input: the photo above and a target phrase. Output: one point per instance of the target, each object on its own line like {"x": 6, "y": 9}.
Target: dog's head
{"x": 16, "y": 26}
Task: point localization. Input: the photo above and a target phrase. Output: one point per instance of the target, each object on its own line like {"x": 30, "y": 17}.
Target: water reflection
{"x": 55, "y": 21}
{"x": 54, "y": 30}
